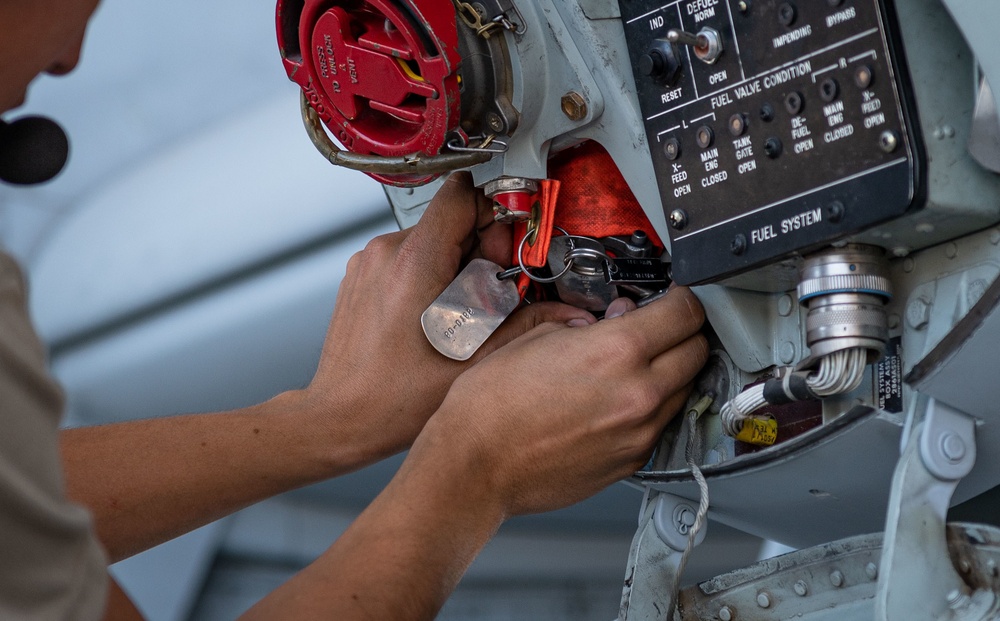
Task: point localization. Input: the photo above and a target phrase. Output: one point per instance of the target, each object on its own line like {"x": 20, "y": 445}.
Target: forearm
{"x": 405, "y": 554}
{"x": 149, "y": 481}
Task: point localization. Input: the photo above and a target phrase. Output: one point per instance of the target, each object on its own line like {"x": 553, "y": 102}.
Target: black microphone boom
{"x": 33, "y": 150}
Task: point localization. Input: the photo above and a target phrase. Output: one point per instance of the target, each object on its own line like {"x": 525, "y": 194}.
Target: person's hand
{"x": 560, "y": 413}
{"x": 378, "y": 378}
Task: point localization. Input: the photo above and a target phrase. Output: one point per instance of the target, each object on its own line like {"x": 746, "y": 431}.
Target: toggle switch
{"x": 707, "y": 44}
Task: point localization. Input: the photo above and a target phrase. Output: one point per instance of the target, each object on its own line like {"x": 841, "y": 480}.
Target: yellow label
{"x": 759, "y": 431}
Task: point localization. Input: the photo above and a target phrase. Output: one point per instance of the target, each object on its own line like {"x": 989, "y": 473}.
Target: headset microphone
{"x": 33, "y": 150}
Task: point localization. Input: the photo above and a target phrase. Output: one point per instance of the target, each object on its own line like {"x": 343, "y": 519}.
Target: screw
{"x": 888, "y": 141}
{"x": 772, "y": 147}
{"x": 763, "y": 600}
{"x": 725, "y": 614}
{"x": 801, "y": 588}
{"x": 837, "y": 579}
{"x": 739, "y": 244}
{"x": 766, "y": 112}
{"x": 828, "y": 90}
{"x": 871, "y": 570}
{"x": 787, "y": 14}
{"x": 952, "y": 447}
{"x": 639, "y": 238}
{"x": 794, "y": 102}
{"x": 495, "y": 122}
{"x": 672, "y": 149}
{"x": 863, "y": 76}
{"x": 835, "y": 211}
{"x": 574, "y": 106}
{"x": 678, "y": 219}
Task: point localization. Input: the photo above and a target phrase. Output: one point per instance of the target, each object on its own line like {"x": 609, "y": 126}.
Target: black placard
{"x": 808, "y": 134}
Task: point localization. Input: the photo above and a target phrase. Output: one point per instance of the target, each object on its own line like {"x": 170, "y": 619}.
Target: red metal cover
{"x": 381, "y": 74}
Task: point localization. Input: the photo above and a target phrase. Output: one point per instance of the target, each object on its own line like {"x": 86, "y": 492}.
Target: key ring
{"x": 590, "y": 253}
{"x": 541, "y": 279}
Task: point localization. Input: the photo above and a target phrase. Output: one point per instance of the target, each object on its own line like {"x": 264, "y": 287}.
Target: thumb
{"x": 530, "y": 317}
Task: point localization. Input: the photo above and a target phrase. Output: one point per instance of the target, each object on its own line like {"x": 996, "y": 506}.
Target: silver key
{"x": 471, "y": 309}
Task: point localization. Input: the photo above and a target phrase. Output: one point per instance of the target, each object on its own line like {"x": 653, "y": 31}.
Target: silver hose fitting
{"x": 845, "y": 290}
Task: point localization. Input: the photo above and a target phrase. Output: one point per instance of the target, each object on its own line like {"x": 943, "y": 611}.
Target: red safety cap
{"x": 381, "y": 74}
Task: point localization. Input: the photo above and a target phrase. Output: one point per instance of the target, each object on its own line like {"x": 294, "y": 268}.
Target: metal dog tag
{"x": 460, "y": 320}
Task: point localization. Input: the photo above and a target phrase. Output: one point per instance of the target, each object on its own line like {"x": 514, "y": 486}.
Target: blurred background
{"x": 188, "y": 260}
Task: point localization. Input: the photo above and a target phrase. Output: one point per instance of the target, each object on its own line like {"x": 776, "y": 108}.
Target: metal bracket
{"x": 652, "y": 580}
{"x": 917, "y": 579}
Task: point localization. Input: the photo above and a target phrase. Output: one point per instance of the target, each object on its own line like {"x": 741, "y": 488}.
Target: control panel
{"x": 775, "y": 126}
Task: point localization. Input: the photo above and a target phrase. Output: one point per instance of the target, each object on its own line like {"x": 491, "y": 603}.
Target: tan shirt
{"x": 51, "y": 565}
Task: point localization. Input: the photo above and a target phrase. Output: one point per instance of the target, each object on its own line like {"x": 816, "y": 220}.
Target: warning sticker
{"x": 889, "y": 378}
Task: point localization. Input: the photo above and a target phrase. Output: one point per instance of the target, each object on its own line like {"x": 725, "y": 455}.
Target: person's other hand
{"x": 378, "y": 378}
{"x": 560, "y": 413}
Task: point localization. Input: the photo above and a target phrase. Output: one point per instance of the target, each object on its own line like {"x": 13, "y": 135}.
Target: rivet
{"x": 900, "y": 251}
{"x": 995, "y": 237}
{"x": 801, "y": 588}
{"x": 763, "y": 600}
{"x": 893, "y": 321}
{"x": 951, "y": 250}
{"x": 725, "y": 614}
{"x": 837, "y": 579}
{"x": 785, "y": 305}
{"x": 908, "y": 265}
{"x": 787, "y": 352}
{"x": 871, "y": 570}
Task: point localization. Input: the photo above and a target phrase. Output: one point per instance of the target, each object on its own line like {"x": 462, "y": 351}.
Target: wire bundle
{"x": 839, "y": 372}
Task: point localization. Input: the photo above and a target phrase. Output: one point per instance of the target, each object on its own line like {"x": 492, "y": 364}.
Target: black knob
{"x": 661, "y": 63}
